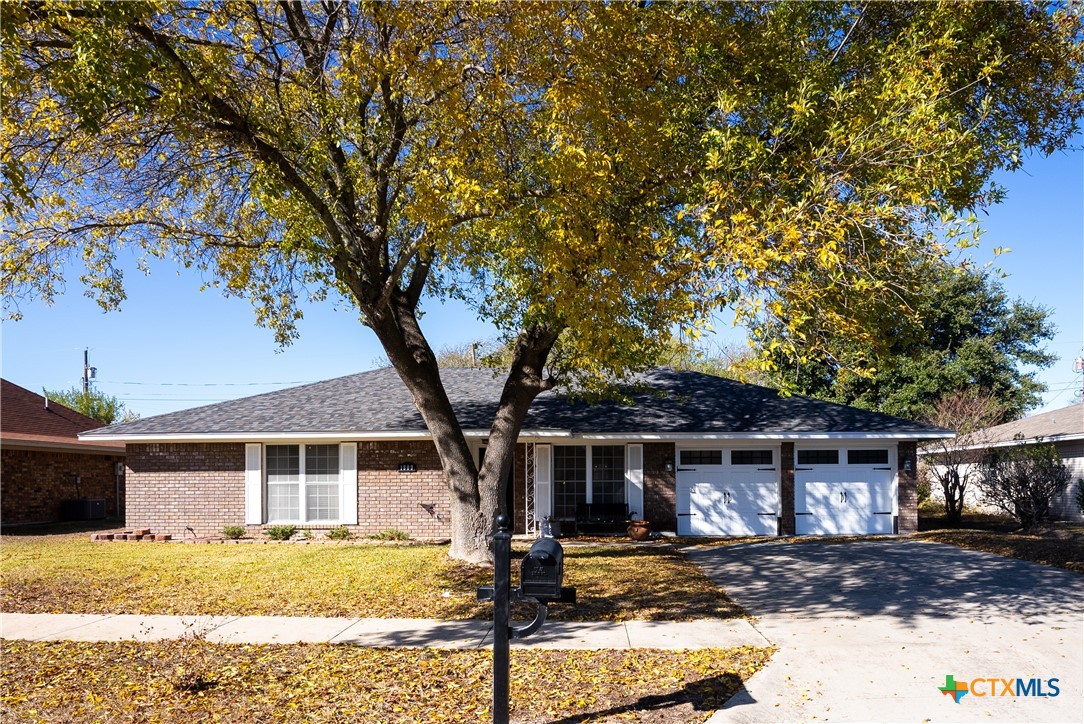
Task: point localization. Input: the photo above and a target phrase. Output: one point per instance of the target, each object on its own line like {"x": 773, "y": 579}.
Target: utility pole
{"x": 88, "y": 371}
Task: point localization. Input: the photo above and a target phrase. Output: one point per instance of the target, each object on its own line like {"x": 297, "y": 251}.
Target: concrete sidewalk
{"x": 378, "y": 632}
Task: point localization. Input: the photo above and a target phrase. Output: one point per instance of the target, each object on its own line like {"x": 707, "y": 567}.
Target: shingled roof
{"x": 1066, "y": 423}
{"x": 667, "y": 402}
{"x": 27, "y": 419}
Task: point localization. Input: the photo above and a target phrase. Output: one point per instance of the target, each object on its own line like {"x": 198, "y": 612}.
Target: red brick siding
{"x": 660, "y": 487}
{"x": 786, "y": 487}
{"x": 34, "y": 482}
{"x": 174, "y": 485}
{"x": 390, "y": 499}
{"x": 907, "y": 456}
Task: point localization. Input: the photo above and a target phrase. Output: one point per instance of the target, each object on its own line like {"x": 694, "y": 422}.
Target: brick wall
{"x": 786, "y": 487}
{"x": 660, "y": 487}
{"x": 34, "y": 482}
{"x": 390, "y": 499}
{"x": 174, "y": 485}
{"x": 907, "y": 456}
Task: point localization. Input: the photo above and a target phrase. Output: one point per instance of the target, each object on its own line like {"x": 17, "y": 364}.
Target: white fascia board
{"x": 681, "y": 436}
{"x": 255, "y": 436}
{"x": 525, "y": 436}
{"x": 1009, "y": 443}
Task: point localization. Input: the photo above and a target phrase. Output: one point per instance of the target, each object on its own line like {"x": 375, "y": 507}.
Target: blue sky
{"x": 172, "y": 347}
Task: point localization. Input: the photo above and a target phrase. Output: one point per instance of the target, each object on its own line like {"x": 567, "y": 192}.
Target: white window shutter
{"x": 253, "y": 483}
{"x": 543, "y": 482}
{"x": 348, "y": 470}
{"x": 634, "y": 480}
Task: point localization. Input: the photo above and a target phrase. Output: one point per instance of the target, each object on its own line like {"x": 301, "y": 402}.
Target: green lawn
{"x": 70, "y": 574}
{"x": 193, "y": 681}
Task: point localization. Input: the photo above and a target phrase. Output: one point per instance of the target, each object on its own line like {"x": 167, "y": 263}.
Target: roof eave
{"x": 1070, "y": 437}
{"x": 525, "y": 435}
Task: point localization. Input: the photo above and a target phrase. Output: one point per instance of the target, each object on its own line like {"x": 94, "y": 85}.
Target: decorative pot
{"x": 639, "y": 529}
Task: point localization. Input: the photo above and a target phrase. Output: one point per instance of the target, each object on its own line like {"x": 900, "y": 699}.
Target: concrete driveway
{"x": 869, "y": 630}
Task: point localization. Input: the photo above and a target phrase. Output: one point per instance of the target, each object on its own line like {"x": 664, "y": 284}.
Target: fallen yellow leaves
{"x": 125, "y": 681}
{"x": 64, "y": 574}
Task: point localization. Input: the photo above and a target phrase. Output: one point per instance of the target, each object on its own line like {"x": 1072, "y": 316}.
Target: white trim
{"x": 543, "y": 481}
{"x": 524, "y": 436}
{"x": 348, "y": 489}
{"x": 1038, "y": 440}
{"x": 634, "y": 479}
{"x": 721, "y": 436}
{"x": 254, "y": 483}
{"x": 278, "y": 437}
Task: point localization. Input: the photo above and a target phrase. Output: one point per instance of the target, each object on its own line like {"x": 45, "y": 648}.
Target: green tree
{"x": 965, "y": 333}
{"x": 586, "y": 176}
{"x": 104, "y": 408}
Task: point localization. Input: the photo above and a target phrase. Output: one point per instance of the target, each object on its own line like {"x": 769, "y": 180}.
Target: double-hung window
{"x": 303, "y": 483}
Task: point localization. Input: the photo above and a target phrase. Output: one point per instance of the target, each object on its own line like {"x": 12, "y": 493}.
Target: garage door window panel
{"x": 818, "y": 457}
{"x": 701, "y": 457}
{"x": 867, "y": 457}
{"x": 751, "y": 457}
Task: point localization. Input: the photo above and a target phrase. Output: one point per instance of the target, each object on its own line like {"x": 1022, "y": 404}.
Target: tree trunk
{"x": 525, "y": 381}
{"x": 475, "y": 499}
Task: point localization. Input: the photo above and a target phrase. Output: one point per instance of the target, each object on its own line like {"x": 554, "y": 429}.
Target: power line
{"x": 206, "y": 384}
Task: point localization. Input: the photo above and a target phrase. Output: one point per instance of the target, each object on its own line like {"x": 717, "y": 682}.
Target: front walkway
{"x": 378, "y": 632}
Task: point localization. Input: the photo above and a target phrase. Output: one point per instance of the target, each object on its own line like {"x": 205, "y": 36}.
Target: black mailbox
{"x": 542, "y": 571}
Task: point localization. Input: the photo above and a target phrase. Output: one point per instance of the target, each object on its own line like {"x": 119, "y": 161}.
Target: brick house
{"x": 43, "y": 462}
{"x": 694, "y": 454}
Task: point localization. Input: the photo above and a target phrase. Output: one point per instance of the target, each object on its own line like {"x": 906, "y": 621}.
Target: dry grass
{"x": 1061, "y": 546}
{"x": 93, "y": 682}
{"x": 69, "y": 574}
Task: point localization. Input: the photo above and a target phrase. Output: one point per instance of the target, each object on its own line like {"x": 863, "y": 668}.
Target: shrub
{"x": 390, "y": 534}
{"x": 924, "y": 490}
{"x": 1080, "y": 494}
{"x": 233, "y": 532}
{"x": 340, "y": 533}
{"x": 281, "y": 532}
{"x": 1023, "y": 481}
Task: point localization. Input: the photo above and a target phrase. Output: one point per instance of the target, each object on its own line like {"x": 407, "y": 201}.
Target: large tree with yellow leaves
{"x": 587, "y": 176}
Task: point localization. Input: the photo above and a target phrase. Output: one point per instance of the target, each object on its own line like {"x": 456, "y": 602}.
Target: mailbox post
{"x": 541, "y": 576}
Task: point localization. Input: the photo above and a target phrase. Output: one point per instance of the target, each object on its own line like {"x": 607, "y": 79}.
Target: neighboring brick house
{"x": 1063, "y": 428}
{"x": 695, "y": 454}
{"x": 43, "y": 463}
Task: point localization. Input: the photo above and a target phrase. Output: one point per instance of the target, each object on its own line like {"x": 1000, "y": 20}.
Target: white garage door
{"x": 844, "y": 491}
{"x": 727, "y": 492}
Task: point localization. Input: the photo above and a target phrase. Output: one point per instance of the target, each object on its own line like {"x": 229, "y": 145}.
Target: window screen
{"x": 701, "y": 457}
{"x": 818, "y": 457}
{"x": 750, "y": 457}
{"x": 867, "y": 457}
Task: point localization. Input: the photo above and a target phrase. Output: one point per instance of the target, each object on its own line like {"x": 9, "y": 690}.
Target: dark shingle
{"x": 377, "y": 401}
